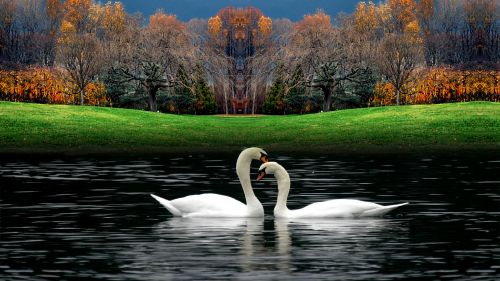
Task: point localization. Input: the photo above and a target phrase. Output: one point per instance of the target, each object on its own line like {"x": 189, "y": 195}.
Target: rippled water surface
{"x": 93, "y": 218}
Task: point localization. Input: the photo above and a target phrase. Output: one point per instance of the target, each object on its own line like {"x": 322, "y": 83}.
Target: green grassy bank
{"x": 37, "y": 128}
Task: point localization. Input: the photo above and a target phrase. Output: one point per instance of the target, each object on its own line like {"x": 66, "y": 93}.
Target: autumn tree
{"x": 153, "y": 55}
{"x": 400, "y": 48}
{"x": 459, "y": 32}
{"x": 425, "y": 14}
{"x": 311, "y": 46}
{"x": 371, "y": 20}
{"x": 446, "y": 33}
{"x": 268, "y": 69}
{"x": 108, "y": 20}
{"x": 281, "y": 55}
{"x": 398, "y": 58}
{"x": 29, "y": 23}
{"x": 260, "y": 64}
{"x": 25, "y": 33}
{"x": 326, "y": 55}
{"x": 481, "y": 36}
{"x": 54, "y": 13}
{"x": 218, "y": 66}
{"x": 440, "y": 23}
{"x": 79, "y": 49}
{"x": 243, "y": 36}
{"x": 403, "y": 13}
{"x": 81, "y": 57}
{"x": 214, "y": 65}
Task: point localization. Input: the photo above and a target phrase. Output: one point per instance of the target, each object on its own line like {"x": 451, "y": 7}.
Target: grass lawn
{"x": 38, "y": 128}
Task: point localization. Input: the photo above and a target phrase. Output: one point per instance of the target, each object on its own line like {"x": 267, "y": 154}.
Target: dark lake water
{"x": 93, "y": 218}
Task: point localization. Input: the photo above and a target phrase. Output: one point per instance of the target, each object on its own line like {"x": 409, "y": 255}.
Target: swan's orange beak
{"x": 264, "y": 159}
{"x": 261, "y": 175}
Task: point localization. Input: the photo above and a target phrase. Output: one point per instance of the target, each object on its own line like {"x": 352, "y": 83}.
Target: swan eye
{"x": 262, "y": 173}
{"x": 264, "y": 158}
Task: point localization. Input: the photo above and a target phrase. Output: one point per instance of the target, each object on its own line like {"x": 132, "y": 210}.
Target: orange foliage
{"x": 241, "y": 24}
{"x": 55, "y": 10}
{"x": 163, "y": 22}
{"x": 76, "y": 12}
{"x": 240, "y": 18}
{"x": 83, "y": 16}
{"x": 265, "y": 25}
{"x": 441, "y": 85}
{"x": 214, "y": 25}
{"x": 312, "y": 32}
{"x": 318, "y": 21}
{"x": 365, "y": 17}
{"x": 403, "y": 12}
{"x": 395, "y": 16}
{"x": 425, "y": 13}
{"x": 114, "y": 17}
{"x": 44, "y": 85}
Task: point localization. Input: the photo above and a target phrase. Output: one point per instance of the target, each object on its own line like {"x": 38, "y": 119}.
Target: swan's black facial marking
{"x": 264, "y": 158}
{"x": 261, "y": 175}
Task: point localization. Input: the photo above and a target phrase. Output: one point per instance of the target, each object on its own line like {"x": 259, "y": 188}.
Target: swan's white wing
{"x": 382, "y": 210}
{"x": 167, "y": 204}
{"x": 209, "y": 205}
{"x": 343, "y": 208}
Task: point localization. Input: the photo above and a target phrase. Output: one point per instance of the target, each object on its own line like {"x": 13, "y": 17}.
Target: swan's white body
{"x": 215, "y": 205}
{"x": 337, "y": 208}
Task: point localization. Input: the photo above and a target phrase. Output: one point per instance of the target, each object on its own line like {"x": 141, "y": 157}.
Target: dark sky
{"x": 188, "y": 9}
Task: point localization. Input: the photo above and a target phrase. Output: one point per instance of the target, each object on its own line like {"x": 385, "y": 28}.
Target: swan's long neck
{"x": 281, "y": 210}
{"x": 243, "y": 172}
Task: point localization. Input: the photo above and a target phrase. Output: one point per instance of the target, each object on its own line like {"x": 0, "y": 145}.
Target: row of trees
{"x": 47, "y": 85}
{"x": 378, "y": 55}
{"x": 387, "y": 43}
{"x": 440, "y": 85}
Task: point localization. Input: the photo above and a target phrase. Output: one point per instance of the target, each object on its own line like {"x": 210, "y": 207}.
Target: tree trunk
{"x": 226, "y": 109}
{"x": 254, "y": 94}
{"x": 82, "y": 92}
{"x": 233, "y": 104}
{"x": 153, "y": 106}
{"x": 327, "y": 102}
{"x": 397, "y": 96}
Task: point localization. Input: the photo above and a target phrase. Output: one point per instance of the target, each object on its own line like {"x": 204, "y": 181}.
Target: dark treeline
{"x": 240, "y": 61}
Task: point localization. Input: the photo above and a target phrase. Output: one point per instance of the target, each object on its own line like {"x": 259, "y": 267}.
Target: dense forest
{"x": 240, "y": 61}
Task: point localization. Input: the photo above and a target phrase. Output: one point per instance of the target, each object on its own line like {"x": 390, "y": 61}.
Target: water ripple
{"x": 94, "y": 219}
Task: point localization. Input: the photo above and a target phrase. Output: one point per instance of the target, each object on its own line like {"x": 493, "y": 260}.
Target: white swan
{"x": 215, "y": 205}
{"x": 343, "y": 208}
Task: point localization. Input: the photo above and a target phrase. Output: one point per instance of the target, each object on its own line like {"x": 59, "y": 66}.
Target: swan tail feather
{"x": 382, "y": 210}
{"x": 167, "y": 205}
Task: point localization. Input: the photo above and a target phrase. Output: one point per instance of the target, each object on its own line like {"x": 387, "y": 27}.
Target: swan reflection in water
{"x": 330, "y": 243}
{"x": 196, "y": 247}
{"x": 236, "y": 242}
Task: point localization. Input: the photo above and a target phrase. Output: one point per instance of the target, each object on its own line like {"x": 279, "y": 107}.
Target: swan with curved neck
{"x": 336, "y": 208}
{"x": 215, "y": 205}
